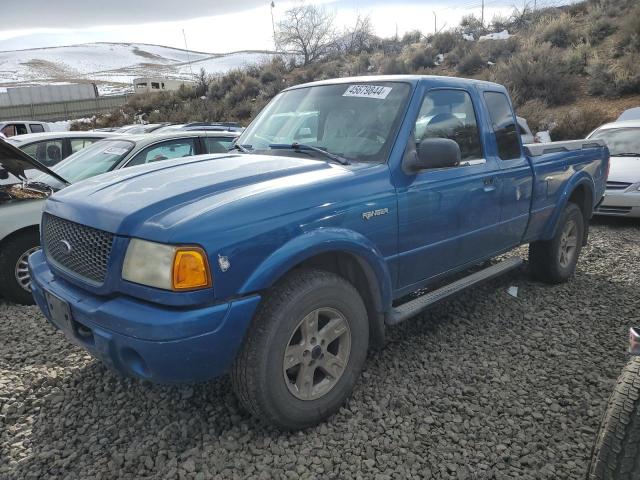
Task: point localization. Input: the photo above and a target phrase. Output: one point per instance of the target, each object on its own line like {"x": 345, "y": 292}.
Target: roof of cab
{"x": 437, "y": 80}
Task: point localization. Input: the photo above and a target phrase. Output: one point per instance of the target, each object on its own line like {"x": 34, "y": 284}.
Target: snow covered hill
{"x": 113, "y": 65}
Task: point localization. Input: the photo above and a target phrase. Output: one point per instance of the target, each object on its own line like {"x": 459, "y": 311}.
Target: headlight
{"x": 169, "y": 267}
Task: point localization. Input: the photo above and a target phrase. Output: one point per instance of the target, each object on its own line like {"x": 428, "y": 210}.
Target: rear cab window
{"x": 504, "y": 125}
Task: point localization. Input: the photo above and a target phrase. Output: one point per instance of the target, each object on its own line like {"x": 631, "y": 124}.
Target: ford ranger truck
{"x": 284, "y": 260}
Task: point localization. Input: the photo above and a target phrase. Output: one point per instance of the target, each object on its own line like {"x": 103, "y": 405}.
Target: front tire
{"x": 15, "y": 281}
{"x": 304, "y": 350}
{"x": 555, "y": 260}
{"x": 616, "y": 453}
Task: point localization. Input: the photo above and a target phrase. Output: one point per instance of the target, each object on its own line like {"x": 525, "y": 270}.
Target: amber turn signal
{"x": 190, "y": 269}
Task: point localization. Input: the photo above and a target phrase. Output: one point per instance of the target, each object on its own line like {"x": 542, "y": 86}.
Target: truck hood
{"x": 15, "y": 161}
{"x": 624, "y": 169}
{"x": 163, "y": 194}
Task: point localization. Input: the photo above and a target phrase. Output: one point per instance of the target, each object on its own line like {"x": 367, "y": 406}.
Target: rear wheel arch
{"x": 582, "y": 196}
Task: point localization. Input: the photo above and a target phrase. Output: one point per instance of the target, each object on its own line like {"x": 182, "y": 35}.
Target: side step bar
{"x": 413, "y": 307}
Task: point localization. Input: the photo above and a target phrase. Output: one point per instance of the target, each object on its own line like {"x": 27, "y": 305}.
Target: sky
{"x": 210, "y": 25}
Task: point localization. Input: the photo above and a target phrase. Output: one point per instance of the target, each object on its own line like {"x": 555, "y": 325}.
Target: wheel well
{"x": 582, "y": 197}
{"x": 356, "y": 271}
{"x": 21, "y": 231}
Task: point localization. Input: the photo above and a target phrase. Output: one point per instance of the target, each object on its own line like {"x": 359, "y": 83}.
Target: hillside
{"x": 568, "y": 69}
{"x": 113, "y": 65}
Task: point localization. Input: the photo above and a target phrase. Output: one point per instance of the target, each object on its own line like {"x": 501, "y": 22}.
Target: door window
{"x": 78, "y": 144}
{"x": 450, "y": 114}
{"x": 177, "y": 148}
{"x": 48, "y": 152}
{"x": 503, "y": 124}
{"x": 217, "y": 144}
{"x": 36, "y": 128}
{"x": 14, "y": 129}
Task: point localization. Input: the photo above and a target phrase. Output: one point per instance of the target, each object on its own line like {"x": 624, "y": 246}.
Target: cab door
{"x": 448, "y": 217}
{"x": 515, "y": 174}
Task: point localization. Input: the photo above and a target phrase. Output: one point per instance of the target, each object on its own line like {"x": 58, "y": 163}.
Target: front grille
{"x": 79, "y": 249}
{"x": 617, "y": 185}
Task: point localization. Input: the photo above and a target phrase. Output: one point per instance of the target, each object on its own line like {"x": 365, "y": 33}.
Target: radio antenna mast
{"x": 187, "y": 49}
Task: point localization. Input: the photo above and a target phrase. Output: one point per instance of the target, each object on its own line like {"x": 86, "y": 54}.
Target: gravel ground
{"x": 484, "y": 386}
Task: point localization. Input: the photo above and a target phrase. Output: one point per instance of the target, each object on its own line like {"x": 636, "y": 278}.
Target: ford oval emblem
{"x": 66, "y": 247}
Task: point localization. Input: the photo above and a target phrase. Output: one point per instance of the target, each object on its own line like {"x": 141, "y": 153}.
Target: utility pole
{"x": 482, "y": 16}
{"x": 435, "y": 23}
{"x": 273, "y": 26}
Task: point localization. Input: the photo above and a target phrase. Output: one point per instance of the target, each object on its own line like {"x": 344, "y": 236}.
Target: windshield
{"x": 93, "y": 160}
{"x": 621, "y": 141}
{"x": 355, "y": 121}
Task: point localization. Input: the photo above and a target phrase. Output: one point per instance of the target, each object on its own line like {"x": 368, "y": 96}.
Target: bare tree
{"x": 360, "y": 37}
{"x": 307, "y": 31}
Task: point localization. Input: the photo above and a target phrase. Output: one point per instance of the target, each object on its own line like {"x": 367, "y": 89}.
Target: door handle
{"x": 489, "y": 184}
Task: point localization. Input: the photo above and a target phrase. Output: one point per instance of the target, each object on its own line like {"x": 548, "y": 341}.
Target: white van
{"x": 21, "y": 127}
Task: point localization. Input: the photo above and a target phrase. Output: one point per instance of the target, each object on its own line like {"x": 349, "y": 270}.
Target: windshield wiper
{"x": 301, "y": 147}
{"x": 237, "y": 146}
{"x": 625, "y": 154}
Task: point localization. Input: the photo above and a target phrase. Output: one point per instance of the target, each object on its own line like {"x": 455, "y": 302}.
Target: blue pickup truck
{"x": 283, "y": 261}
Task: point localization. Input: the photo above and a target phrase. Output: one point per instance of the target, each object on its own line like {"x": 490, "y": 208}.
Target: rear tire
{"x": 294, "y": 376}
{"x": 616, "y": 452}
{"x": 555, "y": 260}
{"x": 15, "y": 282}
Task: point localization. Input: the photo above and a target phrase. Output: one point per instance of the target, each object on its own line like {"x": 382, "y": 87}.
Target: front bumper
{"x": 620, "y": 204}
{"x": 153, "y": 342}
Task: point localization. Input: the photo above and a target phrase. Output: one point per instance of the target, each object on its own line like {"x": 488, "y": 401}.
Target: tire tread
{"x": 616, "y": 453}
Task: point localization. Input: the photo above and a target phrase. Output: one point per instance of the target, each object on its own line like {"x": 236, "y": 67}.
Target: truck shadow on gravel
{"x": 483, "y": 385}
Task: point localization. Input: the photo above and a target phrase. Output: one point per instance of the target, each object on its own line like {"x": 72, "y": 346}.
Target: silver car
{"x": 622, "y": 196}
{"x": 21, "y": 201}
{"x": 50, "y": 148}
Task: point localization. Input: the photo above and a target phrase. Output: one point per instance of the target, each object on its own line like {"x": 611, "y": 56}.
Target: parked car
{"x": 622, "y": 198}
{"x": 630, "y": 114}
{"x": 209, "y": 126}
{"x": 52, "y": 147}
{"x": 284, "y": 264}
{"x": 141, "y": 128}
{"x": 22, "y": 127}
{"x": 20, "y": 219}
{"x": 616, "y": 449}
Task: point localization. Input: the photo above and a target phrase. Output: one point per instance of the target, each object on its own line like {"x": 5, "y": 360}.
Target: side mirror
{"x": 434, "y": 153}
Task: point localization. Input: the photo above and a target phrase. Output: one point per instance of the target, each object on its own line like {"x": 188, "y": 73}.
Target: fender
{"x": 323, "y": 240}
{"x": 580, "y": 178}
{"x": 20, "y": 215}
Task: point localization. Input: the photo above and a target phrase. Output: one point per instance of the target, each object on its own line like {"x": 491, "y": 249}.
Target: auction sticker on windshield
{"x": 367, "y": 91}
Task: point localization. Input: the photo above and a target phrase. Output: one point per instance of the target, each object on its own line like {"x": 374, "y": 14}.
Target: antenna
{"x": 188, "y": 56}
{"x": 273, "y": 26}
